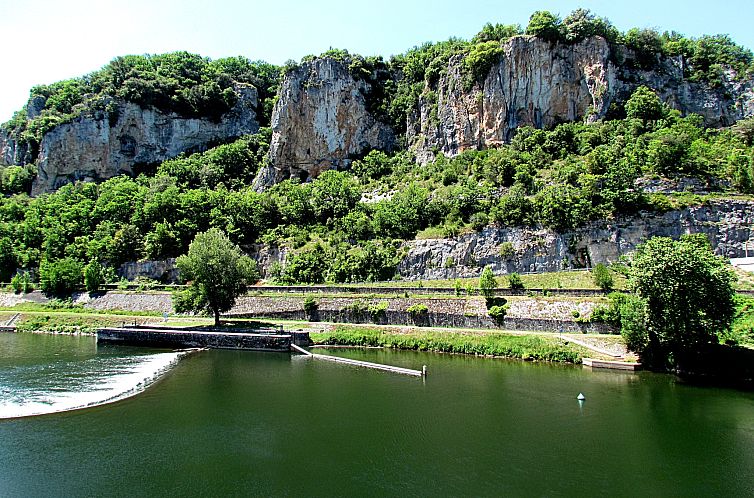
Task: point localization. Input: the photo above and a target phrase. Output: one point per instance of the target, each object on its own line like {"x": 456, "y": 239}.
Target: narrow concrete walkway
{"x": 359, "y": 363}
{"x": 592, "y": 347}
{"x": 13, "y": 320}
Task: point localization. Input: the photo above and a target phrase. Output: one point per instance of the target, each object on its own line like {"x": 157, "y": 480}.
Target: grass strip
{"x": 525, "y": 347}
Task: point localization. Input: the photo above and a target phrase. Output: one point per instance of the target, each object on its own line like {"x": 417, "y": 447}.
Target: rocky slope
{"x": 539, "y": 84}
{"x": 321, "y": 121}
{"x": 95, "y": 147}
{"x": 728, "y": 224}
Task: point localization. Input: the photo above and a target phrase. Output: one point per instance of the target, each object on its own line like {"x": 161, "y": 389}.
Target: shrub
{"x": 377, "y": 310}
{"x": 93, "y": 276}
{"x": 60, "y": 277}
{"x": 515, "y": 281}
{"x": 495, "y": 301}
{"x": 21, "y": 283}
{"x": 497, "y": 313}
{"x": 418, "y": 309}
{"x": 457, "y": 287}
{"x": 487, "y": 283}
{"x": 506, "y": 250}
{"x": 310, "y": 306}
{"x": 602, "y": 277}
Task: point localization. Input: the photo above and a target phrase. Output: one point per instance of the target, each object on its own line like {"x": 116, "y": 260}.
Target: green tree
{"x": 487, "y": 283}
{"x": 644, "y": 104}
{"x": 688, "y": 293}
{"x": 602, "y": 277}
{"x": 497, "y": 32}
{"x": 60, "y": 277}
{"x": 544, "y": 24}
{"x": 217, "y": 272}
{"x": 94, "y": 276}
{"x": 515, "y": 281}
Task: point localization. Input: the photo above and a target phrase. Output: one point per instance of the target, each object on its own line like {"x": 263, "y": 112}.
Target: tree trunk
{"x": 217, "y": 317}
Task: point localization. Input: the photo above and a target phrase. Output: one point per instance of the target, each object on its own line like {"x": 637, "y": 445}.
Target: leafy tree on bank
{"x": 217, "y": 273}
{"x": 487, "y": 283}
{"x": 688, "y": 299}
{"x": 61, "y": 277}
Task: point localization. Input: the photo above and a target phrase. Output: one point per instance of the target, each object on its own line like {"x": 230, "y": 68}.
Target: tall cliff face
{"x": 320, "y": 122}
{"x": 540, "y": 84}
{"x": 96, "y": 147}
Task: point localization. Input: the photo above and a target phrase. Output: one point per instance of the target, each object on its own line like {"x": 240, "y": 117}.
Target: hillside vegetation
{"x": 347, "y": 225}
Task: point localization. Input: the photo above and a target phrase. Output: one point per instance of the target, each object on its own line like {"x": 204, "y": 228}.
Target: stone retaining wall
{"x": 186, "y": 338}
{"x": 523, "y": 313}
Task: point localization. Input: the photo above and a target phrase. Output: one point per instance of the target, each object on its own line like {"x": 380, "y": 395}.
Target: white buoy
{"x": 581, "y": 397}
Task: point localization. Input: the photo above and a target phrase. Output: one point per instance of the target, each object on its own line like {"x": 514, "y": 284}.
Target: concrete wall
{"x": 186, "y": 338}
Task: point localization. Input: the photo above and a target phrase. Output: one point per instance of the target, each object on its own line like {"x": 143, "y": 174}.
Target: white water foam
{"x": 132, "y": 380}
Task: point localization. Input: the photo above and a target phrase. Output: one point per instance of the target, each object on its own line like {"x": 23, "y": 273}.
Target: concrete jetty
{"x": 612, "y": 365}
{"x": 359, "y": 363}
{"x": 187, "y": 337}
{"x": 10, "y": 325}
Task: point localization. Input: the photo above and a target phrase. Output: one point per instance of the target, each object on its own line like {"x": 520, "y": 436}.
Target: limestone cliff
{"x": 94, "y": 146}
{"x": 321, "y": 121}
{"x": 540, "y": 84}
{"x": 728, "y": 224}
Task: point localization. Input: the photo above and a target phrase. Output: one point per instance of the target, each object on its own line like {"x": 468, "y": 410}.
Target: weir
{"x": 359, "y": 363}
{"x": 260, "y": 340}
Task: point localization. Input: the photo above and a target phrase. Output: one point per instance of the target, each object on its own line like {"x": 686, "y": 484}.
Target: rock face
{"x": 728, "y": 224}
{"x": 95, "y": 147}
{"x": 320, "y": 122}
{"x": 539, "y": 84}
{"x": 163, "y": 271}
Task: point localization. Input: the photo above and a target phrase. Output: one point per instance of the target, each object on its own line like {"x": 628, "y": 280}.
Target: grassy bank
{"x": 525, "y": 347}
{"x": 72, "y": 323}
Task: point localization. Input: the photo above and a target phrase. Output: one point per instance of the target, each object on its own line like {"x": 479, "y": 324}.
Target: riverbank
{"x": 530, "y": 346}
{"x": 495, "y": 344}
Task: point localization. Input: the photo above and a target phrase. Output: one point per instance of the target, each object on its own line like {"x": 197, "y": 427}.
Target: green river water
{"x": 233, "y": 423}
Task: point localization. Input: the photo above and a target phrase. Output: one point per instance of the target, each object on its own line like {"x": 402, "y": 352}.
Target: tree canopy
{"x": 217, "y": 273}
{"x": 688, "y": 299}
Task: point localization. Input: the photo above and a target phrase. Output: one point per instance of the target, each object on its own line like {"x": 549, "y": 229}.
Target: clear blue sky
{"x": 49, "y": 40}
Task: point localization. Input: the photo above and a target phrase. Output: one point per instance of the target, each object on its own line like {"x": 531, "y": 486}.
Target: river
{"x": 233, "y": 423}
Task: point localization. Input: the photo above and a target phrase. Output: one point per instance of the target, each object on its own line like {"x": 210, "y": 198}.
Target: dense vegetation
{"x": 334, "y": 231}
{"x": 560, "y": 178}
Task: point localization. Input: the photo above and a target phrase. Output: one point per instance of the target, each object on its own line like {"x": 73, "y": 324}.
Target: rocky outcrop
{"x": 539, "y": 84}
{"x": 320, "y": 122}
{"x": 728, "y": 224}
{"x": 163, "y": 271}
{"x": 98, "y": 145}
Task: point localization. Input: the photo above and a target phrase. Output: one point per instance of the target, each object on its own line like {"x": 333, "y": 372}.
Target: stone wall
{"x": 188, "y": 338}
